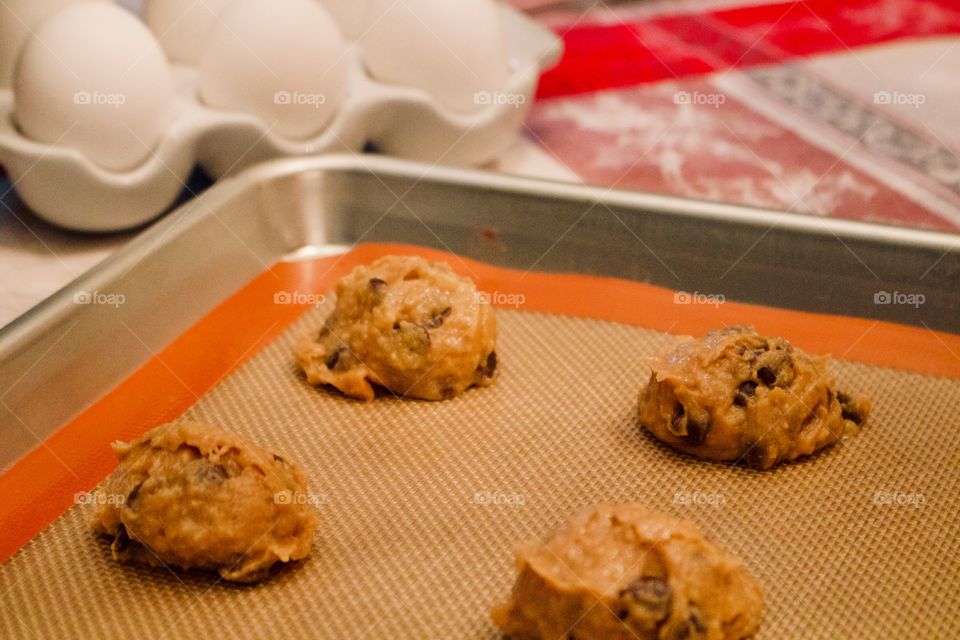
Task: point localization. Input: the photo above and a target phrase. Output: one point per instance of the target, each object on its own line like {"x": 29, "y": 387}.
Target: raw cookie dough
{"x": 737, "y": 395}
{"x": 413, "y": 327}
{"x": 191, "y": 495}
{"x": 623, "y": 572}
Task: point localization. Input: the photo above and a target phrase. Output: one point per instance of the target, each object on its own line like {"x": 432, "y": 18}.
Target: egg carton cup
{"x": 67, "y": 189}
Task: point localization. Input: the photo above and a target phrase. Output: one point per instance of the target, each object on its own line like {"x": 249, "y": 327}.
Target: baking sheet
{"x": 417, "y": 545}
{"x": 174, "y": 273}
{"x": 422, "y": 502}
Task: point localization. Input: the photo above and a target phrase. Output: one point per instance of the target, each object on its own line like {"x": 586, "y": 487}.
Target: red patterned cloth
{"x": 844, "y": 109}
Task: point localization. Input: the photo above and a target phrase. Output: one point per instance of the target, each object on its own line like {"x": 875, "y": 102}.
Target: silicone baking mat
{"x": 422, "y": 502}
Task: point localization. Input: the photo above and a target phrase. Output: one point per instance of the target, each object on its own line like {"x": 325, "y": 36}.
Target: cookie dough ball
{"x": 413, "y": 327}
{"x": 623, "y": 572}
{"x": 737, "y": 395}
{"x": 191, "y": 495}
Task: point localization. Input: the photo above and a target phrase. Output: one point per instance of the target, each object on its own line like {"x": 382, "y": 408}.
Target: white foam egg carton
{"x": 67, "y": 189}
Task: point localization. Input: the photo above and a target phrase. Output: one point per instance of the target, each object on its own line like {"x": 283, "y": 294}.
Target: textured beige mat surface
{"x": 422, "y": 502}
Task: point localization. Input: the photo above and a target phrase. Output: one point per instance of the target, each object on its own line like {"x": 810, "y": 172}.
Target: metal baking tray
{"x": 61, "y": 356}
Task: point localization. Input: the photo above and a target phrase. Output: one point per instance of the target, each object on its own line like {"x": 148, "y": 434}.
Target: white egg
{"x": 182, "y": 26}
{"x": 284, "y": 62}
{"x": 93, "y": 78}
{"x": 349, "y": 15}
{"x": 18, "y": 19}
{"x": 454, "y": 50}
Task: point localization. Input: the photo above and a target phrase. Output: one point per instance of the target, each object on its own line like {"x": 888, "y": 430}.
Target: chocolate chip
{"x": 378, "y": 291}
{"x": 647, "y": 598}
{"x": 488, "y": 368}
{"x": 775, "y": 366}
{"x": 852, "y": 416}
{"x": 132, "y": 496}
{"x": 767, "y": 376}
{"x": 121, "y": 541}
{"x": 692, "y": 429}
{"x": 693, "y": 628}
{"x": 849, "y": 409}
{"x": 679, "y": 422}
{"x": 696, "y": 431}
{"x": 279, "y": 459}
{"x": 746, "y": 390}
{"x": 334, "y": 359}
{"x": 437, "y": 318}
{"x": 756, "y": 456}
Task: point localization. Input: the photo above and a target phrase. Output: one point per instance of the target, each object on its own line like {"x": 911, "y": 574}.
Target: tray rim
{"x": 56, "y": 306}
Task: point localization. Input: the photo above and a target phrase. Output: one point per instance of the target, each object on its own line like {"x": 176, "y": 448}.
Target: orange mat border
{"x": 41, "y": 486}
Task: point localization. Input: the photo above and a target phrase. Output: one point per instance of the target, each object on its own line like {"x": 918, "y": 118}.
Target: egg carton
{"x": 66, "y": 188}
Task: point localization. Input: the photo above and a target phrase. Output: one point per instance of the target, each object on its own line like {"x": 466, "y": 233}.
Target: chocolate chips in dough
{"x": 623, "y": 572}
{"x": 191, "y": 495}
{"x": 739, "y": 396}
{"x": 407, "y": 325}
